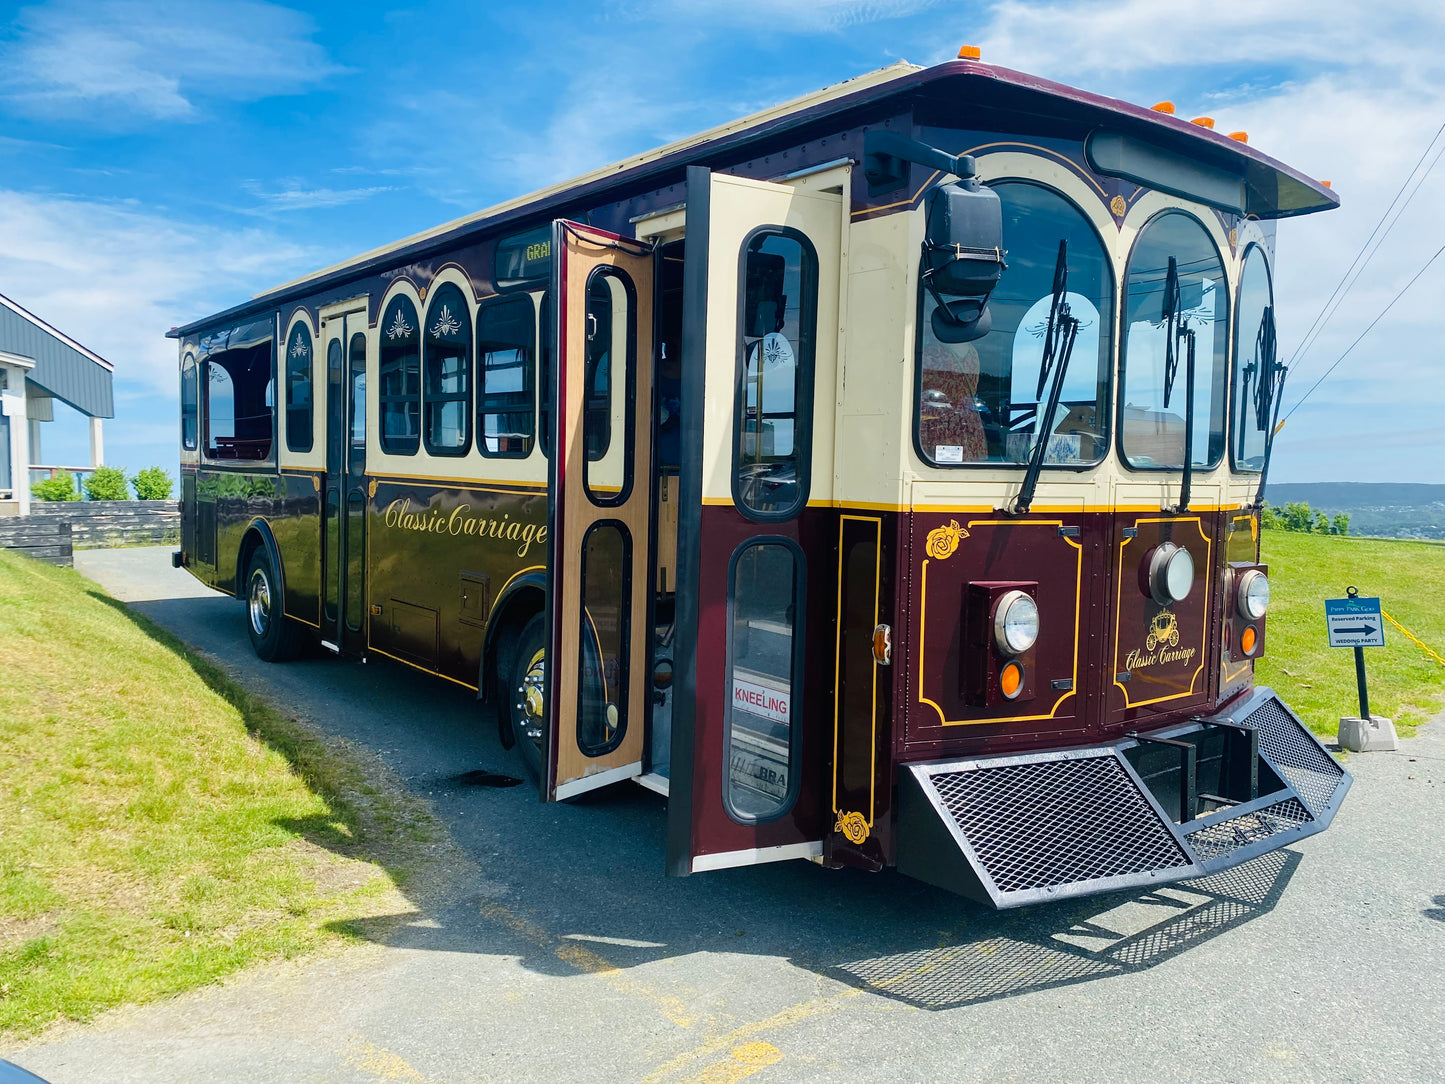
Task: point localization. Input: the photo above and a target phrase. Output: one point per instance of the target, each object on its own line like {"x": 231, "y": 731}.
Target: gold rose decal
{"x": 942, "y": 541}
{"x": 853, "y": 827}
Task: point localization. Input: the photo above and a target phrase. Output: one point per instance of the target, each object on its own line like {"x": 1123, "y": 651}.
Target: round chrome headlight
{"x": 1015, "y": 623}
{"x": 1171, "y": 574}
{"x": 1253, "y": 595}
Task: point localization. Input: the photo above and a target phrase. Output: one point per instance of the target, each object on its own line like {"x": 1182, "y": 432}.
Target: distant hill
{"x": 1383, "y": 509}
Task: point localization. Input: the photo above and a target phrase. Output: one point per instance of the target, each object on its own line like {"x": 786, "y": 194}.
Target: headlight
{"x": 1171, "y": 574}
{"x": 1253, "y": 595}
{"x": 1015, "y": 623}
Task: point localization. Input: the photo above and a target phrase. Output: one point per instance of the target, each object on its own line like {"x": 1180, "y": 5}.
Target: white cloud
{"x": 292, "y": 197}
{"x": 115, "y": 277}
{"x": 777, "y": 16}
{"x": 119, "y": 62}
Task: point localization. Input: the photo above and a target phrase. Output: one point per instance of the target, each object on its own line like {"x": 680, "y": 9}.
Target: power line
{"x": 1337, "y": 296}
{"x": 1367, "y": 330}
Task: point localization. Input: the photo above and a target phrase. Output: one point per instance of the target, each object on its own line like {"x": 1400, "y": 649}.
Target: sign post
{"x": 1357, "y": 623}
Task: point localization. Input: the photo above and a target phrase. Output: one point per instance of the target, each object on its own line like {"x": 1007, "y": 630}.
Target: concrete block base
{"x": 1377, "y": 735}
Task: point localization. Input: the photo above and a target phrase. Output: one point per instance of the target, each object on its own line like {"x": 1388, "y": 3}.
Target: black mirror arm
{"x": 1187, "y": 334}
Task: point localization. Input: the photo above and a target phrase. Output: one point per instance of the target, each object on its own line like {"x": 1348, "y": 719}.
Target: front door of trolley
{"x": 343, "y": 505}
{"x": 600, "y": 485}
{"x": 757, "y": 588}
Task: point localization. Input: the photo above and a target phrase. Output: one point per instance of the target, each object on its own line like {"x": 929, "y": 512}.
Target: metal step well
{"x": 1143, "y": 811}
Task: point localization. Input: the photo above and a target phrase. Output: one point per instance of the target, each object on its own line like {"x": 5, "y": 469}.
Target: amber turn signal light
{"x": 1011, "y": 679}
{"x": 1248, "y": 640}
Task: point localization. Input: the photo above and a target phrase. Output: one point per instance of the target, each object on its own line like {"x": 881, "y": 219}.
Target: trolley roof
{"x": 1273, "y": 189}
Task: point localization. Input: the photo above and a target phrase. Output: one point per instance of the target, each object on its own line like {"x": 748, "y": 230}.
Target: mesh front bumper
{"x": 1014, "y": 830}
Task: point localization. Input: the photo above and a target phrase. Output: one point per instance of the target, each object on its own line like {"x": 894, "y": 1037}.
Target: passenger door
{"x": 752, "y": 731}
{"x": 343, "y": 505}
{"x": 599, "y": 492}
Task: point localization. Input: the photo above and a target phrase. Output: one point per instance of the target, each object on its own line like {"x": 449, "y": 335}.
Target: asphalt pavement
{"x": 560, "y": 952}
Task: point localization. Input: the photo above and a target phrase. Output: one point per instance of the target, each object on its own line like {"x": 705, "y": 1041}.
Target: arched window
{"x": 979, "y": 401}
{"x": 298, "y": 389}
{"x": 190, "y": 404}
{"x": 399, "y": 368}
{"x": 447, "y": 394}
{"x": 1192, "y": 300}
{"x": 1255, "y": 363}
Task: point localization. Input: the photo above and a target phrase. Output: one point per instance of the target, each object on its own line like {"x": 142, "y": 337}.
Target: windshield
{"x": 1152, "y": 420}
{"x": 978, "y": 402}
{"x": 1254, "y": 360}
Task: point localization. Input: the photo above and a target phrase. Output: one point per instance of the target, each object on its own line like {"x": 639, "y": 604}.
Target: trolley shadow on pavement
{"x": 578, "y": 888}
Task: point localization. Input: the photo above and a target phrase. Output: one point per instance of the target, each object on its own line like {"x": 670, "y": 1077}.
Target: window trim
{"x": 465, "y": 397}
{"x": 807, "y": 369}
{"x": 1107, "y": 436}
{"x": 203, "y": 402}
{"x": 797, "y": 691}
{"x": 511, "y": 297}
{"x": 629, "y": 407}
{"x": 1122, "y": 357}
{"x": 396, "y": 445}
{"x": 1230, "y": 434}
{"x": 301, "y": 326}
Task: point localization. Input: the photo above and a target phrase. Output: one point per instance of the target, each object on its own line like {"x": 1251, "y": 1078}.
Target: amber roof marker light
{"x": 970, "y": 52}
{"x": 1163, "y": 107}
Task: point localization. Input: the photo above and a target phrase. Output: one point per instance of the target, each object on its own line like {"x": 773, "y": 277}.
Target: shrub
{"x": 59, "y": 487}
{"x": 152, "y": 484}
{"x": 106, "y": 484}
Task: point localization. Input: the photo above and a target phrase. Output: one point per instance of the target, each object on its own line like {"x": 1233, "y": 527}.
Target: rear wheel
{"x": 274, "y": 636}
{"x": 525, "y": 704}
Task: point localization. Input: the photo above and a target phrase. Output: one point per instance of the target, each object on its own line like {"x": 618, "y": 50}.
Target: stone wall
{"x": 99, "y": 524}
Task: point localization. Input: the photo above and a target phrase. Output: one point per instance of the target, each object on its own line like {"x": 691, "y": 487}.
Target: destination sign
{"x": 1354, "y": 622}
{"x": 524, "y": 257}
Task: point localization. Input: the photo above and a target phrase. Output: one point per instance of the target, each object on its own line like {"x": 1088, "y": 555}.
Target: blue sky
{"x": 161, "y": 160}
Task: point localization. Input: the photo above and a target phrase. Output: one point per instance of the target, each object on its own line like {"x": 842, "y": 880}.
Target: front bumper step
{"x": 1019, "y": 829}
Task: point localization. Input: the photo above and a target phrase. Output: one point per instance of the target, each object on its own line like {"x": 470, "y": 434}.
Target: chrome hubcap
{"x": 258, "y": 603}
{"x": 529, "y": 697}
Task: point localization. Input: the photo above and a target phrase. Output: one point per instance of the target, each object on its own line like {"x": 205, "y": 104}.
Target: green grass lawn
{"x": 1406, "y": 685}
{"x": 160, "y": 828}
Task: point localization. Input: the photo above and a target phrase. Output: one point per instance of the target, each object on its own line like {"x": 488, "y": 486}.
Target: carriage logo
{"x": 1164, "y": 629}
{"x": 942, "y": 541}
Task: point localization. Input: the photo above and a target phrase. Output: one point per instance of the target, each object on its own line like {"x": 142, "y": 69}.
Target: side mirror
{"x": 764, "y": 303}
{"x": 963, "y": 257}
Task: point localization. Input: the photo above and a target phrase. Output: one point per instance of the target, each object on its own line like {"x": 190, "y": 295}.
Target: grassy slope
{"x": 159, "y": 828}
{"x": 1319, "y": 682}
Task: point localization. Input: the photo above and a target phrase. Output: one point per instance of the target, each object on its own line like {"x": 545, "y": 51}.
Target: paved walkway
{"x": 563, "y": 954}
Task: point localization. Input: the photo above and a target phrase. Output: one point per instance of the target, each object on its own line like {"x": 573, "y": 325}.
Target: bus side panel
{"x": 296, "y": 524}
{"x": 236, "y": 498}
{"x": 438, "y": 557}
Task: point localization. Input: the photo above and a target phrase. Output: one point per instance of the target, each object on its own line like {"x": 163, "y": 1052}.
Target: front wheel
{"x": 274, "y": 636}
{"x": 525, "y": 694}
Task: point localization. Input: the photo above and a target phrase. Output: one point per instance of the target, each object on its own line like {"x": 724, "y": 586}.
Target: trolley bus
{"x": 876, "y": 477}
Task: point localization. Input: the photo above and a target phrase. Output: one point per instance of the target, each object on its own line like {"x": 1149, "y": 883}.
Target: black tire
{"x": 274, "y": 636}
{"x": 522, "y": 694}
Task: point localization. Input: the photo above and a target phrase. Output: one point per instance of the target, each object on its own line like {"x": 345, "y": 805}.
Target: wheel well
{"x": 249, "y": 545}
{"x": 517, "y": 608}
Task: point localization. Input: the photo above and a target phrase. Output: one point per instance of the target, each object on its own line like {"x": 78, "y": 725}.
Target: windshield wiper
{"x": 1059, "y": 336}
{"x": 1176, "y": 328}
{"x": 1264, "y": 372}
{"x": 1273, "y": 379}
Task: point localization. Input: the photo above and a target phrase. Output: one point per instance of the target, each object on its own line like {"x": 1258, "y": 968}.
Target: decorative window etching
{"x": 446, "y": 324}
{"x": 399, "y": 328}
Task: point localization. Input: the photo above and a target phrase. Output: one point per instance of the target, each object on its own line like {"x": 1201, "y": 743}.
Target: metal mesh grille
{"x": 1227, "y": 836}
{"x": 1305, "y": 766}
{"x": 1058, "y": 822}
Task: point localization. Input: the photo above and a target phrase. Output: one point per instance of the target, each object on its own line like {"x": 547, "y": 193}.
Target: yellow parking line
{"x": 383, "y": 1064}
{"x": 746, "y": 1060}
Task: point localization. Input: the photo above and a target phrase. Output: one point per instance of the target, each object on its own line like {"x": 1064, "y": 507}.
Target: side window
{"x": 773, "y": 414}
{"x": 400, "y": 371}
{"x": 239, "y": 408}
{"x": 298, "y": 389}
{"x": 506, "y": 361}
{"x": 358, "y": 392}
{"x": 1176, "y": 280}
{"x": 190, "y": 403}
{"x": 765, "y": 637}
{"x": 1255, "y": 364}
{"x": 547, "y": 371}
{"x": 447, "y": 394}
{"x": 609, "y": 391}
